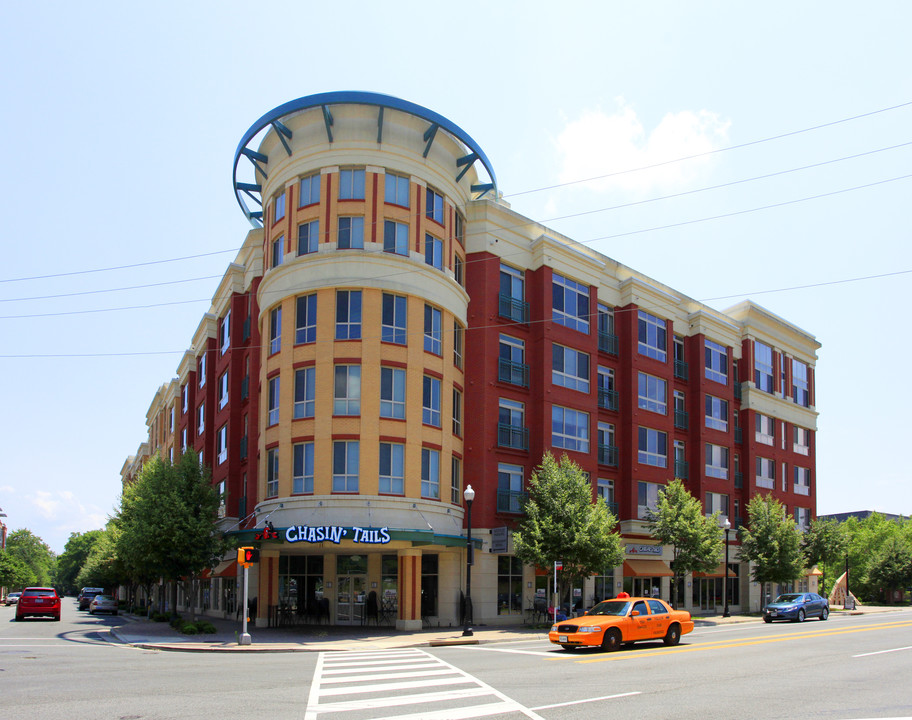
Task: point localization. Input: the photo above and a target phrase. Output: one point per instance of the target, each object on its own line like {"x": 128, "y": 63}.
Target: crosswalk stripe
{"x": 388, "y": 676}
{"x": 472, "y": 711}
{"x": 396, "y": 686}
{"x": 413, "y": 665}
{"x": 413, "y": 699}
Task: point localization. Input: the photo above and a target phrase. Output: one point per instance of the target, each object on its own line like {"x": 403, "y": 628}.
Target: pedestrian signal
{"x": 247, "y": 556}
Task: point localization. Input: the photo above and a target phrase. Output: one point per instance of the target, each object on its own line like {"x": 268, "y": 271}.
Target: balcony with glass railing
{"x": 512, "y": 436}
{"x": 512, "y": 372}
{"x": 608, "y": 455}
{"x": 608, "y": 399}
{"x": 512, "y": 309}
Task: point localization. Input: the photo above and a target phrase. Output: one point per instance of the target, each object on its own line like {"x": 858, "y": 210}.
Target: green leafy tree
{"x": 772, "y": 542}
{"x": 14, "y": 574}
{"x": 101, "y": 567}
{"x": 71, "y": 561}
{"x": 696, "y": 538}
{"x": 563, "y": 523}
{"x": 32, "y": 551}
{"x": 891, "y": 566}
{"x": 167, "y": 522}
{"x": 866, "y": 538}
{"x": 824, "y": 545}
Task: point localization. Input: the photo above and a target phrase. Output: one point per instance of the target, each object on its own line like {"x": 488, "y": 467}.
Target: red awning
{"x": 227, "y": 568}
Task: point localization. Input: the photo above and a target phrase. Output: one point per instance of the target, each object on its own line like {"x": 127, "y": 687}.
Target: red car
{"x": 38, "y": 602}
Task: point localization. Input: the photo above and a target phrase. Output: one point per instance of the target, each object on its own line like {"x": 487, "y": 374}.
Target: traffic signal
{"x": 247, "y": 556}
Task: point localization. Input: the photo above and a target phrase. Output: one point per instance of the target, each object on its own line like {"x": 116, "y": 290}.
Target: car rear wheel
{"x": 673, "y": 636}
{"x": 801, "y": 616}
{"x": 824, "y": 614}
{"x": 612, "y": 640}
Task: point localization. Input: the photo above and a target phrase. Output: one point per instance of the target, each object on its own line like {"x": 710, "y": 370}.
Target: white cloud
{"x": 598, "y": 145}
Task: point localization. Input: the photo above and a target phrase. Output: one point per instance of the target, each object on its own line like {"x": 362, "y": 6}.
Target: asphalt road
{"x": 848, "y": 667}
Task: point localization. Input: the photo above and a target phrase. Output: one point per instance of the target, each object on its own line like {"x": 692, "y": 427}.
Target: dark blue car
{"x": 797, "y": 607}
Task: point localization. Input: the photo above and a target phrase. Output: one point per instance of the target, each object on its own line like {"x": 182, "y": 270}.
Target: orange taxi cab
{"x": 612, "y": 623}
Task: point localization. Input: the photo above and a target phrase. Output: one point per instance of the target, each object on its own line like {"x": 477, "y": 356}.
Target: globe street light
{"x": 469, "y": 496}
{"x": 726, "y": 526}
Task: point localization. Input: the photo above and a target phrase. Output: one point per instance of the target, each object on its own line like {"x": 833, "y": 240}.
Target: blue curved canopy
{"x": 325, "y": 100}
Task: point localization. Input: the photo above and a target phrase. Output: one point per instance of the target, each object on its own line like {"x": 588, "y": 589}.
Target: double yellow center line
{"x": 743, "y": 642}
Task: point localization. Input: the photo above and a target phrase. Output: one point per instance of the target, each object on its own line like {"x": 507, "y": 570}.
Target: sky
{"x": 120, "y": 123}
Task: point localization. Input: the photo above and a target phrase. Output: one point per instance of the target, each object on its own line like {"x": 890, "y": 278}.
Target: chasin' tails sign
{"x": 335, "y": 534}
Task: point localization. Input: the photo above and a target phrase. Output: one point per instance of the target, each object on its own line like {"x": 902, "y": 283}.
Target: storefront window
{"x": 643, "y": 586}
{"x": 509, "y": 585}
{"x": 429, "y": 570}
{"x": 301, "y": 583}
{"x": 604, "y": 586}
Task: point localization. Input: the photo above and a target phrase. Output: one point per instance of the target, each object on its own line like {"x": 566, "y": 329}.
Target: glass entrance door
{"x": 350, "y": 597}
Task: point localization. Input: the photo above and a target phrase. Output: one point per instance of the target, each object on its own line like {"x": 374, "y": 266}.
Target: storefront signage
{"x": 335, "y": 534}
{"x": 644, "y": 549}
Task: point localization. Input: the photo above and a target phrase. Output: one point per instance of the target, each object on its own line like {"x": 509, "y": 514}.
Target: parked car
{"x": 38, "y": 602}
{"x": 12, "y": 598}
{"x": 103, "y": 603}
{"x": 86, "y": 594}
{"x": 797, "y": 607}
{"x": 614, "y": 622}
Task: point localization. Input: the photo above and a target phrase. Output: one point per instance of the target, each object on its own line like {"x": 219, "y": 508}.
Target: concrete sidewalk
{"x": 143, "y": 633}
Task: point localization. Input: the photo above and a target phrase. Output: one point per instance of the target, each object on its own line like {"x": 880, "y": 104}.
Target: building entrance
{"x": 350, "y": 597}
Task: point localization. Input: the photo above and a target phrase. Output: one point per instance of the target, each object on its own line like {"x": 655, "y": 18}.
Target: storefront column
{"x": 409, "y": 589}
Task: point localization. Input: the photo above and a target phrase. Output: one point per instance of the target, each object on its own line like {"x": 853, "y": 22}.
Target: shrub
{"x": 161, "y": 617}
{"x": 188, "y": 628}
{"x": 205, "y": 627}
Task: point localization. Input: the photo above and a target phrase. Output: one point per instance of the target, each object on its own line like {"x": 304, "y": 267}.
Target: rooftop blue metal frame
{"x": 325, "y": 101}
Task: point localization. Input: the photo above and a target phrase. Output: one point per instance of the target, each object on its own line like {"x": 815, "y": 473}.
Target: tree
{"x": 14, "y": 574}
{"x": 772, "y": 542}
{"x": 823, "y": 545}
{"x": 891, "y": 566}
{"x": 101, "y": 567}
{"x": 563, "y": 523}
{"x": 696, "y": 539}
{"x": 74, "y": 556}
{"x": 167, "y": 521}
{"x": 32, "y": 551}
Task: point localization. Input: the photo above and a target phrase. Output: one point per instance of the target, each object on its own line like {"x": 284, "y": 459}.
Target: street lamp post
{"x": 469, "y": 496}
{"x": 726, "y": 525}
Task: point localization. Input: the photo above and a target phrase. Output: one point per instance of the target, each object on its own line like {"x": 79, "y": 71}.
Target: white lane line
{"x": 587, "y": 700}
{"x": 541, "y": 653}
{"x": 881, "y": 652}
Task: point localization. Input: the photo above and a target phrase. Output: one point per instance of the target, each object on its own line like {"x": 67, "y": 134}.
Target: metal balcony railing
{"x": 512, "y": 436}
{"x": 512, "y": 372}
{"x": 680, "y": 369}
{"x": 681, "y": 470}
{"x": 608, "y": 455}
{"x": 512, "y": 309}
{"x": 511, "y": 501}
{"x": 608, "y": 343}
{"x": 608, "y": 399}
{"x": 681, "y": 421}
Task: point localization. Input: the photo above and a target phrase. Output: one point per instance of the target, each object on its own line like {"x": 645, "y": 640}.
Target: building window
{"x": 569, "y": 429}
{"x": 183, "y": 440}
{"x": 351, "y": 184}
{"x": 457, "y": 413}
{"x": 347, "y": 390}
{"x": 607, "y": 340}
{"x": 430, "y": 473}
{"x": 652, "y": 447}
{"x": 716, "y": 461}
{"x": 302, "y": 471}
{"x": 607, "y": 394}
{"x": 278, "y": 251}
{"x": 272, "y": 472}
{"x": 651, "y": 336}
{"x": 395, "y": 238}
{"x": 275, "y": 330}
{"x": 716, "y": 503}
{"x": 800, "y": 386}
{"x": 348, "y": 314}
{"x": 221, "y": 444}
{"x": 765, "y": 430}
{"x": 351, "y": 233}
{"x": 716, "y": 361}
{"x": 394, "y": 318}
{"x": 309, "y": 190}
{"x": 607, "y": 447}
{"x": 509, "y": 585}
{"x": 305, "y": 395}
{"x": 201, "y": 369}
{"x": 511, "y": 425}
{"x": 308, "y": 237}
{"x": 802, "y": 480}
{"x": 766, "y": 473}
{"x": 652, "y": 394}
{"x": 185, "y": 399}
{"x": 803, "y": 519}
{"x": 434, "y": 209}
{"x": 569, "y": 368}
{"x": 273, "y": 406}
{"x": 604, "y": 490}
{"x": 511, "y": 363}
{"x": 763, "y": 367}
{"x": 509, "y": 488}
{"x": 392, "y": 469}
{"x": 570, "y": 303}
{"x": 456, "y": 481}
{"x": 457, "y": 344}
{"x": 306, "y": 319}
{"x": 433, "y": 251}
{"x": 201, "y": 418}
{"x": 716, "y": 413}
{"x": 279, "y": 207}
{"x": 802, "y": 441}
{"x": 432, "y": 330}
{"x": 430, "y": 408}
{"x": 680, "y": 460}
{"x": 459, "y": 228}
{"x": 225, "y": 332}
{"x": 511, "y": 300}
{"x": 458, "y": 270}
{"x": 392, "y": 393}
{"x": 647, "y": 499}
{"x": 345, "y": 466}
{"x": 223, "y": 390}
{"x": 396, "y": 190}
